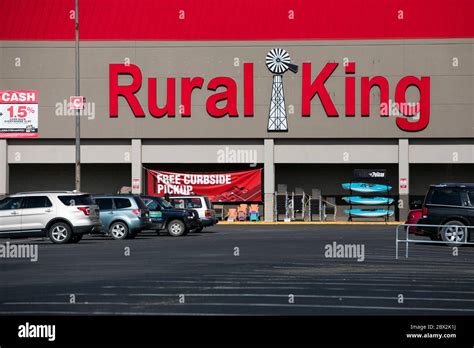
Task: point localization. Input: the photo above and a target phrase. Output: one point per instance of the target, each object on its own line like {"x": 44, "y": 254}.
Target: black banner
{"x": 370, "y": 173}
{"x": 133, "y": 331}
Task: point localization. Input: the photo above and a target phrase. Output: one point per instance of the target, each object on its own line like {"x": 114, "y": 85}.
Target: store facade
{"x": 203, "y": 105}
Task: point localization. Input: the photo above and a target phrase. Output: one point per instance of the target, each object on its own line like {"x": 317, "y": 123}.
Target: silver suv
{"x": 123, "y": 216}
{"x": 63, "y": 216}
{"x": 201, "y": 204}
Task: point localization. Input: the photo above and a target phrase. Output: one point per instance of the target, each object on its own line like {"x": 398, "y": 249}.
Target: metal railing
{"x": 407, "y": 239}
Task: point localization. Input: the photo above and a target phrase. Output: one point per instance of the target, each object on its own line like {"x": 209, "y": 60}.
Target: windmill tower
{"x": 278, "y": 62}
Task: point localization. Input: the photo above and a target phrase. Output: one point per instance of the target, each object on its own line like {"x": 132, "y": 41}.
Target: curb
{"x": 309, "y": 223}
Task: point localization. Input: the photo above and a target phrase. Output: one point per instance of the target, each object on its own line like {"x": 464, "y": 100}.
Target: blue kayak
{"x": 366, "y": 188}
{"x": 368, "y": 200}
{"x": 369, "y": 212}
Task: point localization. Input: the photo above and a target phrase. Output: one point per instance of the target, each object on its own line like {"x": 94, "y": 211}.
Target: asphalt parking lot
{"x": 276, "y": 270}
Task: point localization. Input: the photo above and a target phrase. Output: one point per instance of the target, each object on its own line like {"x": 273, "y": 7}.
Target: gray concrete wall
{"x": 325, "y": 153}
{"x": 4, "y": 167}
{"x": 291, "y": 151}
{"x": 137, "y": 171}
{"x": 403, "y": 174}
{"x": 446, "y": 153}
{"x": 269, "y": 179}
{"x": 205, "y": 153}
{"x": 65, "y": 154}
{"x": 49, "y": 67}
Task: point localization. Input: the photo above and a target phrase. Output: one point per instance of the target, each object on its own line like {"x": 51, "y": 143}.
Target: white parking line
{"x": 286, "y": 283}
{"x": 264, "y": 287}
{"x": 434, "y": 291}
{"x": 252, "y": 305}
{"x": 270, "y": 287}
{"x": 333, "y": 307}
{"x": 355, "y": 277}
{"x": 121, "y": 313}
{"x": 80, "y": 303}
{"x": 395, "y": 298}
{"x": 206, "y": 287}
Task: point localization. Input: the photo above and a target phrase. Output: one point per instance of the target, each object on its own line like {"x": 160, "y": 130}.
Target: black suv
{"x": 177, "y": 222}
{"x": 450, "y": 205}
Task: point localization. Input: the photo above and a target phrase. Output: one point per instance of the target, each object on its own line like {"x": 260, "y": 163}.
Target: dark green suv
{"x": 177, "y": 222}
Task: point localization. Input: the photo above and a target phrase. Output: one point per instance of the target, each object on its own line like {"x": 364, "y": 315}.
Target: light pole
{"x": 78, "y": 117}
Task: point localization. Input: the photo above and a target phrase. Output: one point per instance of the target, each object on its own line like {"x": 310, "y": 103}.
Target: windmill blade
{"x": 285, "y": 56}
{"x": 278, "y": 61}
{"x": 292, "y": 67}
{"x": 271, "y": 54}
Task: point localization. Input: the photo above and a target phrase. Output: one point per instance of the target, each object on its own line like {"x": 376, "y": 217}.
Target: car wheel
{"x": 60, "y": 233}
{"x": 176, "y": 228}
{"x": 197, "y": 230}
{"x": 118, "y": 230}
{"x": 75, "y": 238}
{"x": 454, "y": 232}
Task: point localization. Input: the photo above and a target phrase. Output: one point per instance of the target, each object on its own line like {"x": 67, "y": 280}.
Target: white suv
{"x": 63, "y": 216}
{"x": 201, "y": 204}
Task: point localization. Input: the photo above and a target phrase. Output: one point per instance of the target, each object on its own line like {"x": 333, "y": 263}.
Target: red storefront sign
{"x": 245, "y": 186}
{"x": 223, "y": 103}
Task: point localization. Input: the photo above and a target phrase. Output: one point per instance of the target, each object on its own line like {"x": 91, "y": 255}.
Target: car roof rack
{"x": 113, "y": 194}
{"x": 455, "y": 184}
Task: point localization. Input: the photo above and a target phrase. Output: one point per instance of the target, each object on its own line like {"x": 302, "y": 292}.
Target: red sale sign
{"x": 19, "y": 114}
{"x": 245, "y": 186}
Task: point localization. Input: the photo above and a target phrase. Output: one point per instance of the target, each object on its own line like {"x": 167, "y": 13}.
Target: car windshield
{"x": 445, "y": 196}
{"x": 10, "y": 203}
{"x": 73, "y": 200}
{"x": 209, "y": 204}
{"x": 140, "y": 203}
{"x": 165, "y": 204}
{"x": 152, "y": 203}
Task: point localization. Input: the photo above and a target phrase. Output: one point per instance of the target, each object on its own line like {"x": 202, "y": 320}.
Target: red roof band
{"x": 176, "y": 20}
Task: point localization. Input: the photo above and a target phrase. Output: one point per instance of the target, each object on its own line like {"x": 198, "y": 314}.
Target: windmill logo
{"x": 278, "y": 62}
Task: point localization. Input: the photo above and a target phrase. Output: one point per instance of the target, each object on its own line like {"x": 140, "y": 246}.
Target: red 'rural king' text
{"x": 224, "y": 101}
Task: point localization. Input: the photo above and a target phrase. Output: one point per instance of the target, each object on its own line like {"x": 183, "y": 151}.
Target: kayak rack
{"x": 468, "y": 230}
{"x": 357, "y": 178}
